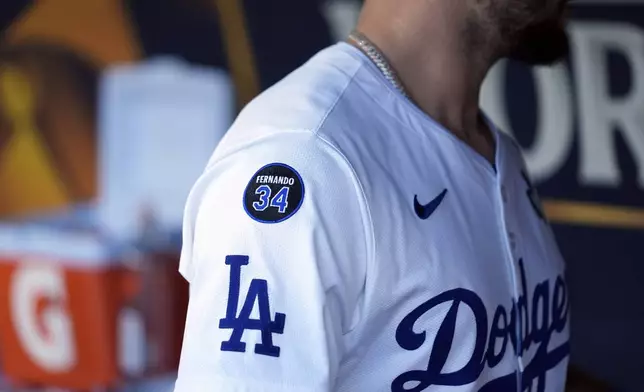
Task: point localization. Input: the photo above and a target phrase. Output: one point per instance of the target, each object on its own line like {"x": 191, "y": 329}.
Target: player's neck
{"x": 428, "y": 49}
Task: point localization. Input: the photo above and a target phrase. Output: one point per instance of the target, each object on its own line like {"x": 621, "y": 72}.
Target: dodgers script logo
{"x": 532, "y": 320}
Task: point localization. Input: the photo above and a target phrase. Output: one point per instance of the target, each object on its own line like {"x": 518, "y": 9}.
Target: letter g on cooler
{"x": 44, "y": 332}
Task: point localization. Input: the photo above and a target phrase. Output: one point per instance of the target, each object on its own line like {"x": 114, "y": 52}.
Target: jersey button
{"x": 512, "y": 241}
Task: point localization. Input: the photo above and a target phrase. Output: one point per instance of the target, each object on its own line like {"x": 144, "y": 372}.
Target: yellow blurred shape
{"x": 241, "y": 58}
{"x": 28, "y": 177}
{"x": 593, "y": 214}
{"x": 98, "y": 28}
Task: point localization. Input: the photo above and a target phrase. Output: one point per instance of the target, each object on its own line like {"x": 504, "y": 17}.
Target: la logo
{"x": 257, "y": 293}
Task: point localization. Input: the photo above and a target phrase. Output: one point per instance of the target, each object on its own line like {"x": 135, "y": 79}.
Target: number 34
{"x": 279, "y": 201}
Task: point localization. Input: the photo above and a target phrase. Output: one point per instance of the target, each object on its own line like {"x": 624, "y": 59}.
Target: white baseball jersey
{"x": 342, "y": 240}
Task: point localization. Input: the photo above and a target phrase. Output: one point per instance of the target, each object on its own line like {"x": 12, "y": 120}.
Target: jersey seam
{"x": 313, "y": 131}
{"x": 369, "y": 230}
{"x": 254, "y": 141}
{"x": 368, "y": 65}
{"x": 393, "y": 91}
{"x": 399, "y": 121}
{"x": 326, "y": 115}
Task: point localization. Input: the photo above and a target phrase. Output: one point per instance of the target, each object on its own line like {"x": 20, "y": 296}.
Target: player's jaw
{"x": 543, "y": 40}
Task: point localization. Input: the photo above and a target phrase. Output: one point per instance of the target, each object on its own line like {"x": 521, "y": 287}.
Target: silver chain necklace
{"x": 372, "y": 51}
{"x": 376, "y": 56}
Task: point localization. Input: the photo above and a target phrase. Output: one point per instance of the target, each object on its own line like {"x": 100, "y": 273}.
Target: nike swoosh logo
{"x": 425, "y": 211}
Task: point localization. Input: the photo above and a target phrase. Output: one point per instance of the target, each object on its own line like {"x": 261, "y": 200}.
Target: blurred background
{"x": 109, "y": 110}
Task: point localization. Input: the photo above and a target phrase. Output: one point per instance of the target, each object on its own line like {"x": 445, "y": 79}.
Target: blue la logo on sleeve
{"x": 274, "y": 193}
{"x": 240, "y": 320}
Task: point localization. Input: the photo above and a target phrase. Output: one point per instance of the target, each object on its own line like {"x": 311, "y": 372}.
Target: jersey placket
{"x": 507, "y": 231}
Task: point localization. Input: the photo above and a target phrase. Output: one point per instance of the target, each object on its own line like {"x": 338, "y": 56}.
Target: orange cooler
{"x": 60, "y": 295}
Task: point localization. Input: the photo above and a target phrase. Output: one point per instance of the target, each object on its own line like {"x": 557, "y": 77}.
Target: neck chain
{"x": 378, "y": 58}
{"x": 372, "y": 51}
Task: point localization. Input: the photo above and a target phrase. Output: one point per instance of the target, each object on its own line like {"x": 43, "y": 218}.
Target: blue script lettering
{"x": 532, "y": 320}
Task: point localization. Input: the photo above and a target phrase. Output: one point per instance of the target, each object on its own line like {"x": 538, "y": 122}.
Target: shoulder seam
{"x": 367, "y": 218}
{"x": 243, "y": 146}
{"x": 314, "y": 131}
{"x": 326, "y": 115}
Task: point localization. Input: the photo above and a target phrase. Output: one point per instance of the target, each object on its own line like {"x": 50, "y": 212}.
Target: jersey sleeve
{"x": 276, "y": 244}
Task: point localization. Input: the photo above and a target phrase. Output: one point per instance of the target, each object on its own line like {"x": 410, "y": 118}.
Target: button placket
{"x": 508, "y": 228}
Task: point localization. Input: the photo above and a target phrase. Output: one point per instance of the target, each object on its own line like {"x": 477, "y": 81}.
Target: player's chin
{"x": 545, "y": 44}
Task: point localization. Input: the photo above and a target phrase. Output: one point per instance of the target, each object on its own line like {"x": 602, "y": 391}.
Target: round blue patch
{"x": 274, "y": 193}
